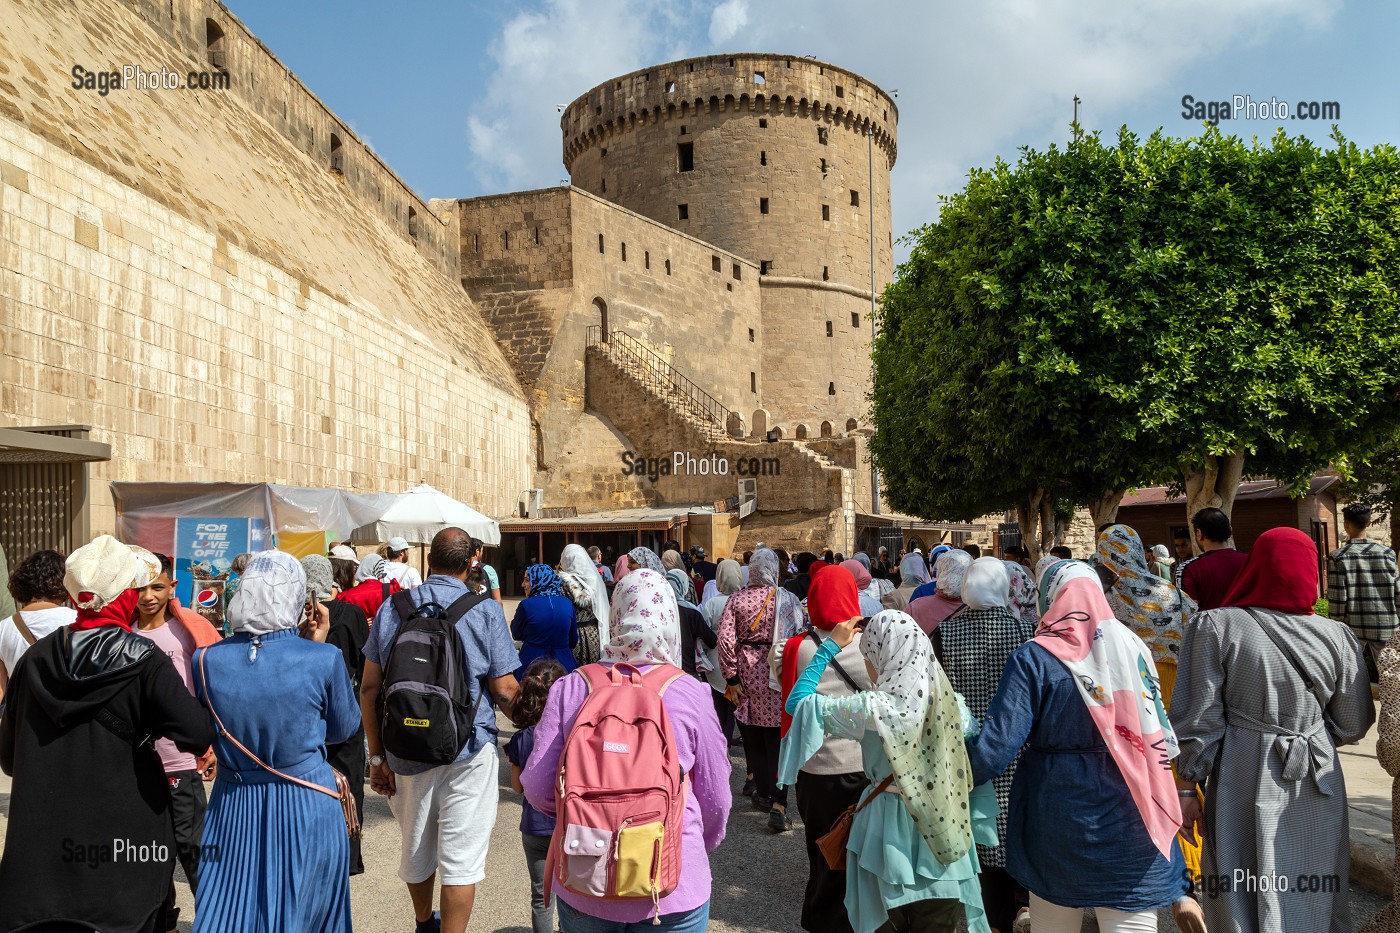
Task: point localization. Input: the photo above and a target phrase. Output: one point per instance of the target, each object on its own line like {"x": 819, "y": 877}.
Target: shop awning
{"x": 50, "y": 445}
{"x": 612, "y": 520}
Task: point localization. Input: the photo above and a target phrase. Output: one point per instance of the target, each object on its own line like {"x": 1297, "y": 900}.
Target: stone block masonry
{"x": 778, "y": 159}
{"x": 803, "y": 499}
{"x": 177, "y": 274}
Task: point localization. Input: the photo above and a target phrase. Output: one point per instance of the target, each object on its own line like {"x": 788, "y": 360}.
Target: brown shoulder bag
{"x": 833, "y": 843}
{"x": 342, "y": 784}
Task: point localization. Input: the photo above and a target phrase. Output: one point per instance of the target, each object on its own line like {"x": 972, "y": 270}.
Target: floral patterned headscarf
{"x": 1154, "y": 609}
{"x": 916, "y": 716}
{"x": 1023, "y": 602}
{"x": 646, "y": 558}
{"x": 951, "y": 570}
{"x": 644, "y": 623}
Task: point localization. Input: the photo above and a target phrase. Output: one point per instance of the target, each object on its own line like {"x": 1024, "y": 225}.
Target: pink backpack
{"x": 620, "y": 799}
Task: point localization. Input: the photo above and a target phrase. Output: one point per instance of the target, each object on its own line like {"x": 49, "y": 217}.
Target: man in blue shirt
{"x": 445, "y": 812}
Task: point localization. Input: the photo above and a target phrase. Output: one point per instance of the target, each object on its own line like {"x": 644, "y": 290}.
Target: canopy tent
{"x": 147, "y": 512}
{"x": 421, "y": 513}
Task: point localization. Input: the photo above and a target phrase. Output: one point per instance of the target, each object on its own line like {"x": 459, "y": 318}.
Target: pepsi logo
{"x": 207, "y": 599}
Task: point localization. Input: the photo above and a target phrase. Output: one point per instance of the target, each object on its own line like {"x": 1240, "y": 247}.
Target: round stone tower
{"x": 778, "y": 159}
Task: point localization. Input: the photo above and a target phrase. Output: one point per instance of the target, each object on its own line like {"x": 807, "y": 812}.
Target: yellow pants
{"x": 1191, "y": 850}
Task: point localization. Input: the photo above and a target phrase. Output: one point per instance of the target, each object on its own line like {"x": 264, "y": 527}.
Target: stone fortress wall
{"x": 766, "y": 156}
{"x": 226, "y": 284}
{"x": 545, "y": 266}
{"x": 203, "y": 32}
{"x": 201, "y": 284}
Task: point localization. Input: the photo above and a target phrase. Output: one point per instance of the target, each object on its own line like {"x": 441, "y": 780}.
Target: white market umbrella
{"x": 421, "y": 513}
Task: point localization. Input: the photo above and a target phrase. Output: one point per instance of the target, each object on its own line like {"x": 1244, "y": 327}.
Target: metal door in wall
{"x": 44, "y": 488}
{"x": 1322, "y": 537}
{"x": 36, "y": 508}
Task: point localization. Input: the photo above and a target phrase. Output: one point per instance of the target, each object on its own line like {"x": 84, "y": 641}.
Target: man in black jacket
{"x": 90, "y": 840}
{"x": 798, "y": 585}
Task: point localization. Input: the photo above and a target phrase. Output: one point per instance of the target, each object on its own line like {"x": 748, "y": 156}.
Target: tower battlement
{"x": 783, "y": 160}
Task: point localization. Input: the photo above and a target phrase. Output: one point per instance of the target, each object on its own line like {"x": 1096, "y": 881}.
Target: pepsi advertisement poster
{"x": 204, "y": 552}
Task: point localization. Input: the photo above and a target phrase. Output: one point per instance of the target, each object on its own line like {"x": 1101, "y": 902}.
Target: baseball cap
{"x": 397, "y": 543}
{"x": 344, "y": 552}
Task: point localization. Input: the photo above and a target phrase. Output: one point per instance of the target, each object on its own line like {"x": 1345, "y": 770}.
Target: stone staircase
{"x": 658, "y": 378}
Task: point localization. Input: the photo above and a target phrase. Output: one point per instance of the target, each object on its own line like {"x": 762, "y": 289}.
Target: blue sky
{"x": 459, "y": 98}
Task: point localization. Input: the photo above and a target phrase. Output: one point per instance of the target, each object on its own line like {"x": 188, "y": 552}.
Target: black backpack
{"x": 426, "y": 714}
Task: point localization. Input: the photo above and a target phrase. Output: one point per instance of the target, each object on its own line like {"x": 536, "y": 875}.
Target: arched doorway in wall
{"x": 800, "y": 432}
{"x": 760, "y": 422}
{"x": 826, "y": 429}
{"x": 851, "y": 425}
{"x": 734, "y": 424}
{"x": 602, "y": 307}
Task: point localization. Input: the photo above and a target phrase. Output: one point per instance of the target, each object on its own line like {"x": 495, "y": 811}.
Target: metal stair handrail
{"x": 660, "y": 376}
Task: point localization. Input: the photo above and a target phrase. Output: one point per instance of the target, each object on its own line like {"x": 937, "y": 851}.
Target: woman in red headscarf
{"x": 834, "y": 777}
{"x": 1265, "y": 692}
{"x": 90, "y": 842}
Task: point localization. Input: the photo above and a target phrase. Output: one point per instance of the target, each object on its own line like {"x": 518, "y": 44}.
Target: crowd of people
{"x": 970, "y": 739}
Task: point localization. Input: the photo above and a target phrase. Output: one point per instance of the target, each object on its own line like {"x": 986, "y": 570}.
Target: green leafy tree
{"x": 1376, "y": 482}
{"x": 1096, "y": 318}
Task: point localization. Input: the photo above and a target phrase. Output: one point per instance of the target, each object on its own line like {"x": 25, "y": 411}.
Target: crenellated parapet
{"x": 782, "y": 160}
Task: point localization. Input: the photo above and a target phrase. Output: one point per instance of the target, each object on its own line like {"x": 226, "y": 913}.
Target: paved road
{"x": 758, "y": 876}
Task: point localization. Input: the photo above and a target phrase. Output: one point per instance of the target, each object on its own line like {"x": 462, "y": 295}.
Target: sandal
{"x": 1188, "y": 915}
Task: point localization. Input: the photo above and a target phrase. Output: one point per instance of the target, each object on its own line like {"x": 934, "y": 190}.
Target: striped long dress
{"x": 275, "y": 854}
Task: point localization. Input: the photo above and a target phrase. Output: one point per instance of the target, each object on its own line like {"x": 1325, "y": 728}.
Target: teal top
{"x": 888, "y": 863}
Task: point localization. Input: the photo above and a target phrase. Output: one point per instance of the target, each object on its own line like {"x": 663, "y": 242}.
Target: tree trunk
{"x": 1051, "y": 534}
{"x": 1213, "y": 484}
{"x": 1028, "y": 517}
{"x": 1104, "y": 509}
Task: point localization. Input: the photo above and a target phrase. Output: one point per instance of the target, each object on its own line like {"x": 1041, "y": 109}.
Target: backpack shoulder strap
{"x": 594, "y": 675}
{"x": 403, "y": 605}
{"x": 664, "y": 673}
{"x": 461, "y": 606}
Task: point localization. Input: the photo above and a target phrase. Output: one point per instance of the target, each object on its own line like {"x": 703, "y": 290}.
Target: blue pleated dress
{"x": 275, "y": 857}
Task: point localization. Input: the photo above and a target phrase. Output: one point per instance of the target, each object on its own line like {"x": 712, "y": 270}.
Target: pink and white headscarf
{"x": 1119, "y": 685}
{"x": 644, "y": 624}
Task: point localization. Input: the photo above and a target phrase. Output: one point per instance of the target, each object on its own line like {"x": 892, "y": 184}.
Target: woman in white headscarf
{"x": 645, "y": 632}
{"x": 910, "y": 859}
{"x": 913, "y": 573}
{"x": 373, "y": 586}
{"x": 946, "y": 600}
{"x": 283, "y": 847}
{"x": 584, "y": 585}
{"x": 728, "y": 580}
{"x": 975, "y": 644}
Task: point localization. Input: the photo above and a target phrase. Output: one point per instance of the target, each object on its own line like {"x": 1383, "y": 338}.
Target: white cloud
{"x": 727, "y": 19}
{"x": 974, "y": 79}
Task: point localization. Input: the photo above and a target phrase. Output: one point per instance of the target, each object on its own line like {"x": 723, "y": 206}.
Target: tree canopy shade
{"x": 1096, "y": 318}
